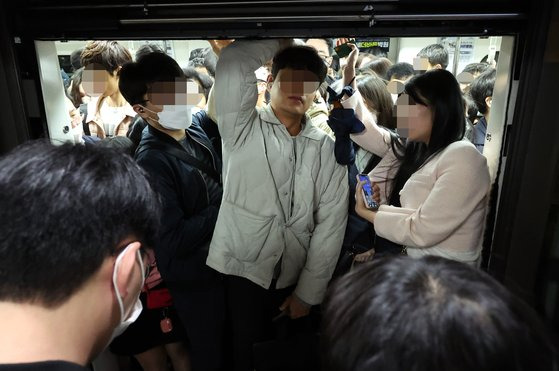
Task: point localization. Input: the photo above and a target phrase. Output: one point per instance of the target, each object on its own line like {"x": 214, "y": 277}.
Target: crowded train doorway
{"x": 40, "y": 31}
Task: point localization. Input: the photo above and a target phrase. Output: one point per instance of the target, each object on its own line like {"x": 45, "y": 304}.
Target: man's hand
{"x": 294, "y": 307}
{"x": 219, "y": 45}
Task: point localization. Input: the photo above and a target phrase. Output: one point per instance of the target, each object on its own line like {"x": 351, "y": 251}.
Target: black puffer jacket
{"x": 188, "y": 217}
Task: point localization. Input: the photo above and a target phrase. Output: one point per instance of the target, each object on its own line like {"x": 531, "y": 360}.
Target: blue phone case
{"x": 368, "y": 191}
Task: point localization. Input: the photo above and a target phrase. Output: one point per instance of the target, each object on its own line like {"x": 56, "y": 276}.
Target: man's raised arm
{"x": 235, "y": 89}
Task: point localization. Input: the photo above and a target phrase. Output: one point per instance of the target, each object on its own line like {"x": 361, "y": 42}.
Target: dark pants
{"x": 202, "y": 312}
{"x": 251, "y": 310}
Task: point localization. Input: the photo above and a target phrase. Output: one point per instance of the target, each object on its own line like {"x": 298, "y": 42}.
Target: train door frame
{"x": 526, "y": 140}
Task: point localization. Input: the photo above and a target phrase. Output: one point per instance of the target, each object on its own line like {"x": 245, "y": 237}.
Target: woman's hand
{"x": 376, "y": 193}
{"x": 360, "y": 207}
{"x": 349, "y": 69}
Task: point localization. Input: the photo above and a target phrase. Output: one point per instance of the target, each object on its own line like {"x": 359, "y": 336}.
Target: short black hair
{"x": 400, "y": 71}
{"x": 429, "y": 314}
{"x": 436, "y": 54}
{"x": 64, "y": 210}
{"x": 147, "y": 49}
{"x": 75, "y": 59}
{"x": 136, "y": 77}
{"x": 474, "y": 68}
{"x": 482, "y": 87}
{"x": 300, "y": 57}
{"x": 117, "y": 142}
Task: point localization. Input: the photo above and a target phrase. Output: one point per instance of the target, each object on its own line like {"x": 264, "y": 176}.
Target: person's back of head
{"x": 400, "y": 71}
{"x": 380, "y": 66}
{"x": 481, "y": 90}
{"x": 429, "y": 314}
{"x": 147, "y": 49}
{"x": 119, "y": 143}
{"x": 377, "y": 98}
{"x": 364, "y": 58}
{"x": 476, "y": 69}
{"x": 68, "y": 211}
{"x": 436, "y": 55}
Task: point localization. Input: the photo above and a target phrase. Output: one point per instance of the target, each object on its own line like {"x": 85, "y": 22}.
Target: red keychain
{"x": 166, "y": 324}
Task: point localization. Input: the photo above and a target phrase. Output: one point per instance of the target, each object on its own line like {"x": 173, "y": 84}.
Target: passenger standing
{"x": 431, "y": 57}
{"x": 481, "y": 91}
{"x": 284, "y": 210}
{"x": 433, "y": 184}
{"x": 186, "y": 172}
{"x": 108, "y": 113}
{"x": 75, "y": 227}
{"x": 430, "y": 314}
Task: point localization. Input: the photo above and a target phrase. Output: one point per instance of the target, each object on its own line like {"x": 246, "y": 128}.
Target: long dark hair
{"x": 439, "y": 90}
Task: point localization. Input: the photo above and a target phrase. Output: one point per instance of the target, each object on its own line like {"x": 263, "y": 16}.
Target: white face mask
{"x": 135, "y": 311}
{"x": 174, "y": 117}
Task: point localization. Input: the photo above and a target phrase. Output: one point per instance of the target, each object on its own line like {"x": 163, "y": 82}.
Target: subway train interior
{"x": 519, "y": 39}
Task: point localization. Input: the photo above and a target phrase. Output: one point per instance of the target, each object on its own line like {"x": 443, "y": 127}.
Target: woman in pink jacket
{"x": 433, "y": 184}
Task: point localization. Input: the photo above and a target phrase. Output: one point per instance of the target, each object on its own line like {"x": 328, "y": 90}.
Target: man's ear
{"x": 438, "y": 67}
{"x": 127, "y": 272}
{"x": 116, "y": 73}
{"x": 488, "y": 101}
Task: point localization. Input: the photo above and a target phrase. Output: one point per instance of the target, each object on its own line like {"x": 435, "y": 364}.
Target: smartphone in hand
{"x": 367, "y": 190}
{"x": 343, "y": 50}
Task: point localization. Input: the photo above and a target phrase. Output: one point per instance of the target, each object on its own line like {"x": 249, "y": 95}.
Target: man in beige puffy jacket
{"x": 285, "y": 199}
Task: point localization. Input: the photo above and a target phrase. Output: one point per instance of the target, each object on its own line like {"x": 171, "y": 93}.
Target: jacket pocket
{"x": 244, "y": 232}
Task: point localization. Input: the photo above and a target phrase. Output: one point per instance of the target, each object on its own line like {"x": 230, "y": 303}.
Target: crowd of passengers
{"x": 217, "y": 217}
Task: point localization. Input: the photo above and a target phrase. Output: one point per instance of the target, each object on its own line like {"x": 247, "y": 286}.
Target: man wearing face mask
{"x": 284, "y": 210}
{"x": 71, "y": 270}
{"x": 186, "y": 173}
